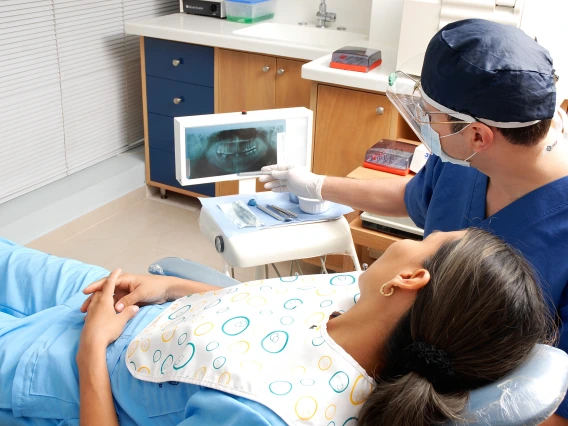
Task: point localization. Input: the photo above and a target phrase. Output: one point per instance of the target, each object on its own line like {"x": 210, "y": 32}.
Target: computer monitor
{"x": 216, "y": 147}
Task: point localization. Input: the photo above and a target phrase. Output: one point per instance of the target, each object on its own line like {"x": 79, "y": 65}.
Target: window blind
{"x": 70, "y": 86}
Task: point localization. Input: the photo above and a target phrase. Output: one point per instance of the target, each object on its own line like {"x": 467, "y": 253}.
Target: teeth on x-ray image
{"x": 231, "y": 148}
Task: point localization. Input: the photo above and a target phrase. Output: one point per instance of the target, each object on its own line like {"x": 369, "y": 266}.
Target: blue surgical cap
{"x": 493, "y": 72}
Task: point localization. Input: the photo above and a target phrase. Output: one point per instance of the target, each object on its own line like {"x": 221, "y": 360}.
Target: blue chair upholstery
{"x": 526, "y": 396}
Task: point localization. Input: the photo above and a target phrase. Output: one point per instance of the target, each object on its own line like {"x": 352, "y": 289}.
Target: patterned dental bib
{"x": 262, "y": 340}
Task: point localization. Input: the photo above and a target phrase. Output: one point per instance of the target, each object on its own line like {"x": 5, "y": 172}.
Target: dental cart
{"x": 221, "y": 147}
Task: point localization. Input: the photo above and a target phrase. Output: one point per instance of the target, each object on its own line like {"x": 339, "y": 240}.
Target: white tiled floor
{"x": 144, "y": 232}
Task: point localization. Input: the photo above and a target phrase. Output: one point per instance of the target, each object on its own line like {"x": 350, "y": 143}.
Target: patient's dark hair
{"x": 483, "y": 308}
{"x": 525, "y": 136}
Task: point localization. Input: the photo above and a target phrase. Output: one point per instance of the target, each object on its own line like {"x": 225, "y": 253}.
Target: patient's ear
{"x": 414, "y": 281}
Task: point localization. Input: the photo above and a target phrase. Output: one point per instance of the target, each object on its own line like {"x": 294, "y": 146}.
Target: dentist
{"x": 485, "y": 106}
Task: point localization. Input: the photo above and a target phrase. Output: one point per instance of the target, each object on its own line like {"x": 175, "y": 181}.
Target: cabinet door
{"x": 348, "y": 122}
{"x": 244, "y": 82}
{"x": 291, "y": 89}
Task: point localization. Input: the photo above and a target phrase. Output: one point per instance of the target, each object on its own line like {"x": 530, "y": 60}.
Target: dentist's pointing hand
{"x": 295, "y": 179}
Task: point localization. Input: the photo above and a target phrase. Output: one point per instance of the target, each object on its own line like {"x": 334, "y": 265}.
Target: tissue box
{"x": 358, "y": 59}
{"x": 390, "y": 156}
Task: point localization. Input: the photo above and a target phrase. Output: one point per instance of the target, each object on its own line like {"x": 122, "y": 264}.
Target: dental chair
{"x": 527, "y": 396}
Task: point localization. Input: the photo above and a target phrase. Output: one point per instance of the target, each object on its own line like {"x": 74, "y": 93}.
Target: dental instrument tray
{"x": 278, "y": 204}
{"x": 360, "y": 59}
{"x": 390, "y": 156}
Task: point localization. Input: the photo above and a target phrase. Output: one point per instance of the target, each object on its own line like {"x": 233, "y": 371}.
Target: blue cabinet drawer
{"x": 193, "y": 100}
{"x": 195, "y": 62}
{"x": 163, "y": 170}
{"x": 161, "y": 132}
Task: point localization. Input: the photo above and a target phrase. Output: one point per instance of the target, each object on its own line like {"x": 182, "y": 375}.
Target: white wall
{"x": 352, "y": 14}
{"x": 386, "y": 16}
{"x": 548, "y": 21}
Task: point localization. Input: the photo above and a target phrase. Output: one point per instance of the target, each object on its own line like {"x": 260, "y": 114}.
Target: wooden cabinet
{"x": 348, "y": 122}
{"x": 245, "y": 81}
{"x": 248, "y": 81}
{"x": 291, "y": 89}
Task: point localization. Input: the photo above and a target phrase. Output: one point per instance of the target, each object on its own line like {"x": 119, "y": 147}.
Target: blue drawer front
{"x": 161, "y": 132}
{"x": 163, "y": 170}
{"x": 196, "y": 100}
{"x": 196, "y": 62}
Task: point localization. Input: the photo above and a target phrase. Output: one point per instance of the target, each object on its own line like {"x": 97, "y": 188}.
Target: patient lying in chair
{"x": 399, "y": 344}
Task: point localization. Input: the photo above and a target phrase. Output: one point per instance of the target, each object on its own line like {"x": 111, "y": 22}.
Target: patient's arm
{"x": 102, "y": 327}
{"x": 96, "y": 405}
{"x": 143, "y": 290}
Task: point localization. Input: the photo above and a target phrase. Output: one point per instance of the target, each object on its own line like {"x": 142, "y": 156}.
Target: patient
{"x": 433, "y": 320}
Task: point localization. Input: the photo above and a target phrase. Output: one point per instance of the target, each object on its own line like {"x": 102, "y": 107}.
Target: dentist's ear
{"x": 414, "y": 281}
{"x": 482, "y": 136}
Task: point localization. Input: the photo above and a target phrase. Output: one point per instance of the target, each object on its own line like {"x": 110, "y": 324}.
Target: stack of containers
{"x": 250, "y": 11}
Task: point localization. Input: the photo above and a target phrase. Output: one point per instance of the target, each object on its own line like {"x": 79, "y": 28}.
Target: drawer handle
{"x": 380, "y": 111}
{"x": 265, "y": 68}
{"x": 177, "y": 101}
{"x": 280, "y": 71}
{"x": 176, "y": 62}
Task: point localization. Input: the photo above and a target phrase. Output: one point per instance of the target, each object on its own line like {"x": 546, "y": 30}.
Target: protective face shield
{"x": 418, "y": 111}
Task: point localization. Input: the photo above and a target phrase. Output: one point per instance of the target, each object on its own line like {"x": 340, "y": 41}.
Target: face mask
{"x": 432, "y": 142}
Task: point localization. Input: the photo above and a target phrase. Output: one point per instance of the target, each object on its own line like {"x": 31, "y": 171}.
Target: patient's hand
{"x": 144, "y": 290}
{"x": 132, "y": 289}
{"x": 102, "y": 324}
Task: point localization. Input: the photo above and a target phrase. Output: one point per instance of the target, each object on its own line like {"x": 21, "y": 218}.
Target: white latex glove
{"x": 295, "y": 179}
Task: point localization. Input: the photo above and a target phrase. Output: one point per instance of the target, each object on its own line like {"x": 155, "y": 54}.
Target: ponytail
{"x": 411, "y": 400}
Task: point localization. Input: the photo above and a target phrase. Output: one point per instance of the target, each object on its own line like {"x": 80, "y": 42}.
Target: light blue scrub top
{"x": 40, "y": 327}
{"x": 448, "y": 197}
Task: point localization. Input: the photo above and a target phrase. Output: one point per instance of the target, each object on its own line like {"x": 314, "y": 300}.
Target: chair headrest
{"x": 526, "y": 396}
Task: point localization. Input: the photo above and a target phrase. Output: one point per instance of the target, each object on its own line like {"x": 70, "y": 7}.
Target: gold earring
{"x": 383, "y": 290}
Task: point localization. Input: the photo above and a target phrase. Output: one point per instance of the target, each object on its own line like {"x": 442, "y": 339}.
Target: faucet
{"x": 324, "y": 16}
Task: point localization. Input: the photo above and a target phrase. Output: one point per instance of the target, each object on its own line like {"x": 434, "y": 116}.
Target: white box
{"x": 419, "y": 158}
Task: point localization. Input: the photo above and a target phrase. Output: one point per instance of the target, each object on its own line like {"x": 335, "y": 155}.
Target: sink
{"x": 306, "y": 35}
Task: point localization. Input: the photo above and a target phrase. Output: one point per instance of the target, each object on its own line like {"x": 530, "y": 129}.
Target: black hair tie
{"x": 434, "y": 364}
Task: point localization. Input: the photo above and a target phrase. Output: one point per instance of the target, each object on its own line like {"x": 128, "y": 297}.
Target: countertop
{"x": 220, "y": 33}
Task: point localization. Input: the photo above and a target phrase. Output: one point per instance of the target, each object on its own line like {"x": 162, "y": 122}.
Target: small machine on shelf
{"x": 215, "y": 8}
{"x": 402, "y": 227}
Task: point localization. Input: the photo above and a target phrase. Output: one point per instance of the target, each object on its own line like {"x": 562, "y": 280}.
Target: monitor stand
{"x": 247, "y": 186}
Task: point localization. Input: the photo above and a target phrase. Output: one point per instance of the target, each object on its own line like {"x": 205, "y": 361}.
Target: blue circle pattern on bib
{"x": 339, "y": 382}
{"x": 280, "y": 388}
{"x": 177, "y": 365}
{"x": 179, "y": 312}
{"x": 292, "y": 304}
{"x": 182, "y": 339}
{"x": 167, "y": 363}
{"x": 211, "y": 346}
{"x": 235, "y": 326}
{"x": 341, "y": 280}
{"x": 219, "y": 362}
{"x": 275, "y": 342}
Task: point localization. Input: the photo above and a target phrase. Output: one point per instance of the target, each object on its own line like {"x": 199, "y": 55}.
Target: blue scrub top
{"x": 448, "y": 197}
{"x": 40, "y": 328}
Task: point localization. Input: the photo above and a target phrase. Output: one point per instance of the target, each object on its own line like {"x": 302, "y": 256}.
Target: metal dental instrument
{"x": 271, "y": 213}
{"x": 283, "y": 211}
{"x": 259, "y": 173}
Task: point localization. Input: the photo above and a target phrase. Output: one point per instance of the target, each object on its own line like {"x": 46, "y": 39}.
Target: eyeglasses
{"x": 405, "y": 93}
